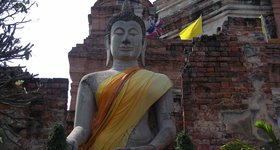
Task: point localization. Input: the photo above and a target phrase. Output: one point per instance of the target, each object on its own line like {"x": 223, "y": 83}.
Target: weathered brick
{"x": 230, "y": 84}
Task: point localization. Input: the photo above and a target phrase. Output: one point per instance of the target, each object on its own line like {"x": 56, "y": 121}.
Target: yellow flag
{"x": 192, "y": 30}
{"x": 262, "y": 23}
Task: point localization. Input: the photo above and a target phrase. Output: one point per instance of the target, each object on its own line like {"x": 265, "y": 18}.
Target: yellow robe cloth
{"x": 137, "y": 94}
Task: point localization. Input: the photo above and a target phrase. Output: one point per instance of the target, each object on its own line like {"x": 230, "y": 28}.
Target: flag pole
{"x": 201, "y": 27}
{"x": 263, "y": 28}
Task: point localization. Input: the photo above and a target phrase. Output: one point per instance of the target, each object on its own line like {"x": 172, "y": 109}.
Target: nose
{"x": 126, "y": 41}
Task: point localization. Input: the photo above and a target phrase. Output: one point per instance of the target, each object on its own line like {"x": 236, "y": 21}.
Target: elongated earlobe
{"x": 108, "y": 57}
{"x": 143, "y": 53}
{"x": 108, "y": 51}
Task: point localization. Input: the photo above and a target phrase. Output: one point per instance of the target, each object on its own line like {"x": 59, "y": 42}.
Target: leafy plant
{"x": 183, "y": 142}
{"x": 237, "y": 145}
{"x": 274, "y": 143}
{"x": 57, "y": 139}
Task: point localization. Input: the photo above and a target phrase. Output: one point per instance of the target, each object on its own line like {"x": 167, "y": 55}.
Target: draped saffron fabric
{"x": 122, "y": 100}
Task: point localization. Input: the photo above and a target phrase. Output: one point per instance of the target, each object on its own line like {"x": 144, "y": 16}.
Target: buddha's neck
{"x": 120, "y": 65}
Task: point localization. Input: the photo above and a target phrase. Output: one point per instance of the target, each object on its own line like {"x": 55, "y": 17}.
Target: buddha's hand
{"x": 146, "y": 147}
{"x": 72, "y": 144}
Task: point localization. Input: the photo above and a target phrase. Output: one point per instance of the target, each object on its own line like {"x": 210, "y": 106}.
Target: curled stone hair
{"x": 126, "y": 14}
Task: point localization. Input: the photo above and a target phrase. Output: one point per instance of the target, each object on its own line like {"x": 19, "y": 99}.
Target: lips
{"x": 125, "y": 48}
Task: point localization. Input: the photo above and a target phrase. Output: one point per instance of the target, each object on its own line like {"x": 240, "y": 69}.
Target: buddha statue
{"x": 125, "y": 107}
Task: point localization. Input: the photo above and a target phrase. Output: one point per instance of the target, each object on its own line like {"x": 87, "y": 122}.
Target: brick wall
{"x": 29, "y": 124}
{"x": 229, "y": 83}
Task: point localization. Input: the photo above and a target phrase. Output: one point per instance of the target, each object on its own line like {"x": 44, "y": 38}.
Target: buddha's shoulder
{"x": 160, "y": 75}
{"x": 97, "y": 76}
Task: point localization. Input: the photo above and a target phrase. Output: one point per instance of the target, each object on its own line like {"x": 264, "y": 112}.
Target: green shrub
{"x": 183, "y": 142}
{"x": 273, "y": 144}
{"x": 57, "y": 139}
{"x": 237, "y": 145}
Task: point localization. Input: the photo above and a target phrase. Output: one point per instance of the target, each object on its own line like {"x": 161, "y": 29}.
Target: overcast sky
{"x": 56, "y": 27}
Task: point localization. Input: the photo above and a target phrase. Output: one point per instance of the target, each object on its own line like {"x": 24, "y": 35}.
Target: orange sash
{"x": 122, "y": 100}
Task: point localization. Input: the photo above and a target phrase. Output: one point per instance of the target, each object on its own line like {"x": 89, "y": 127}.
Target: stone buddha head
{"x": 125, "y": 37}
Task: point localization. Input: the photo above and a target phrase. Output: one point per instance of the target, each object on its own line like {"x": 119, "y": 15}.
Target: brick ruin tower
{"x": 219, "y": 78}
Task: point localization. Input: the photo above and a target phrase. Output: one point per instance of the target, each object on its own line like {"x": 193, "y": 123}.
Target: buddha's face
{"x": 126, "y": 40}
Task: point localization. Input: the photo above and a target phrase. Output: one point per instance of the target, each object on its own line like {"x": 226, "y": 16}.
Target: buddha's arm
{"x": 85, "y": 109}
{"x": 166, "y": 123}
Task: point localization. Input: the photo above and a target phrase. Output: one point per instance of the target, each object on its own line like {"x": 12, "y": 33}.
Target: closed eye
{"x": 119, "y": 31}
{"x": 133, "y": 32}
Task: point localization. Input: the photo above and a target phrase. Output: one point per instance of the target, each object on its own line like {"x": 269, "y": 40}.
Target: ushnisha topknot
{"x": 126, "y": 14}
{"x": 126, "y": 7}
